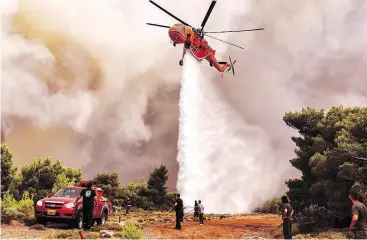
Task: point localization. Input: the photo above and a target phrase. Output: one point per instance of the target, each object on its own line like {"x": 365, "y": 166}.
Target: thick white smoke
{"x": 218, "y": 151}
{"x": 96, "y": 81}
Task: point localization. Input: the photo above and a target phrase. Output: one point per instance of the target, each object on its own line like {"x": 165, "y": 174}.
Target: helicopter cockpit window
{"x": 180, "y": 26}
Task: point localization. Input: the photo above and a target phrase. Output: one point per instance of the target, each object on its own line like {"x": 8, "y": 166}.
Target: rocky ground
{"x": 159, "y": 225}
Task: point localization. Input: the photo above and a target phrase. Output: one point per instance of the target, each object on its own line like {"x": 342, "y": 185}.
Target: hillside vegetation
{"x": 22, "y": 189}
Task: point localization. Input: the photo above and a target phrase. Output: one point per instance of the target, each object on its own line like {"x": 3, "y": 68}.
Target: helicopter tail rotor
{"x": 231, "y": 66}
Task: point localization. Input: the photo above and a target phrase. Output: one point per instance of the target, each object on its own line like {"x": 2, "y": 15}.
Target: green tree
{"x": 156, "y": 185}
{"x": 110, "y": 183}
{"x": 331, "y": 153}
{"x": 15, "y": 186}
{"x": 7, "y": 170}
{"x": 39, "y": 177}
{"x": 138, "y": 194}
{"x": 62, "y": 180}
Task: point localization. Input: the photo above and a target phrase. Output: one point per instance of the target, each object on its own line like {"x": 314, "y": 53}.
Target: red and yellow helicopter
{"x": 194, "y": 42}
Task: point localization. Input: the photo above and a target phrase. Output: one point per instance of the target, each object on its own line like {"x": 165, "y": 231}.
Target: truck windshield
{"x": 68, "y": 192}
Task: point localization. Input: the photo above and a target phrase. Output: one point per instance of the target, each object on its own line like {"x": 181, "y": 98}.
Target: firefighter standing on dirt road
{"x": 196, "y": 210}
{"x": 178, "y": 210}
{"x": 89, "y": 201}
{"x": 287, "y": 213}
{"x": 201, "y": 213}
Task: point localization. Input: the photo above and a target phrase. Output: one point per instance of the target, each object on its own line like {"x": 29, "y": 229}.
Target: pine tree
{"x": 156, "y": 185}
{"x": 331, "y": 153}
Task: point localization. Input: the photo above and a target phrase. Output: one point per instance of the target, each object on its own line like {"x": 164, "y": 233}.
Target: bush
{"x": 8, "y": 201}
{"x": 331, "y": 235}
{"x": 14, "y": 210}
{"x": 132, "y": 231}
{"x": 93, "y": 235}
{"x": 8, "y": 214}
{"x": 270, "y": 206}
{"x": 118, "y": 235}
{"x": 26, "y": 206}
{"x": 313, "y": 219}
{"x": 66, "y": 235}
{"x": 108, "y": 226}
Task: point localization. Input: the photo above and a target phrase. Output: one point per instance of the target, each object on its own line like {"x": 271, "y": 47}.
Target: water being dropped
{"x": 217, "y": 150}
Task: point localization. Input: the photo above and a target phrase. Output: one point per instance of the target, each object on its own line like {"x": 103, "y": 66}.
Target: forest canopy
{"x": 331, "y": 153}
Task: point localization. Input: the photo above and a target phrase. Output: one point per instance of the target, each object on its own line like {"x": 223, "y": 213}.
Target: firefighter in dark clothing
{"x": 128, "y": 206}
{"x": 287, "y": 213}
{"x": 89, "y": 201}
{"x": 196, "y": 210}
{"x": 359, "y": 216}
{"x": 179, "y": 210}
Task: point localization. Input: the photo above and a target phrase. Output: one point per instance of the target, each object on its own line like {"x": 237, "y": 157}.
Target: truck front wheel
{"x": 103, "y": 219}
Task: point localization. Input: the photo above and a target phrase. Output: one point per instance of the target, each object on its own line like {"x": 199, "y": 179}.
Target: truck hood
{"x": 60, "y": 199}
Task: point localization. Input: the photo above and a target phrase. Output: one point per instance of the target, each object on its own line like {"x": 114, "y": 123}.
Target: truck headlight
{"x": 39, "y": 203}
{"x": 69, "y": 205}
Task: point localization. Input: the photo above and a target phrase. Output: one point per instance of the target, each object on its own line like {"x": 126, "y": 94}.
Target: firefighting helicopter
{"x": 194, "y": 42}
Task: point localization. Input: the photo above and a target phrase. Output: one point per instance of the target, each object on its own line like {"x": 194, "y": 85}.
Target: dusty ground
{"x": 242, "y": 227}
{"x": 17, "y": 230}
{"x": 160, "y": 226}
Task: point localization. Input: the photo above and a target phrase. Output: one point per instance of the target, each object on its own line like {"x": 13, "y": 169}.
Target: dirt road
{"x": 237, "y": 227}
{"x": 251, "y": 226}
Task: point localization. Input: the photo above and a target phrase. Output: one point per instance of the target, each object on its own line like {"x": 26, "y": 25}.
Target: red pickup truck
{"x": 61, "y": 207}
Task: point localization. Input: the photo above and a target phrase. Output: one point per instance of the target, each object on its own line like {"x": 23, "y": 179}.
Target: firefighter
{"x": 178, "y": 210}
{"x": 201, "y": 213}
{"x": 287, "y": 213}
{"x": 196, "y": 210}
{"x": 89, "y": 201}
{"x": 128, "y": 206}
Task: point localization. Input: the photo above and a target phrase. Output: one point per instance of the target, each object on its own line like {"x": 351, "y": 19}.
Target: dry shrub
{"x": 332, "y": 235}
{"x": 93, "y": 235}
{"x": 107, "y": 226}
{"x": 118, "y": 235}
{"x": 132, "y": 231}
{"x": 66, "y": 235}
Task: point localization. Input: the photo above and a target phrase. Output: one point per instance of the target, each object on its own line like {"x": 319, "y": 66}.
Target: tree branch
{"x": 353, "y": 155}
{"x": 359, "y": 158}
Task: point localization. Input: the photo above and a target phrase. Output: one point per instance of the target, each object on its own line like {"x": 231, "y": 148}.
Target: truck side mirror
{"x": 50, "y": 195}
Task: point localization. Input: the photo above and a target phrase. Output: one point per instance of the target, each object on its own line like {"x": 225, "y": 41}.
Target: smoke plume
{"x": 88, "y": 82}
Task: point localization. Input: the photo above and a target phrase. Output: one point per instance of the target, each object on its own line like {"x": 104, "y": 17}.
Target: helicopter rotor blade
{"x": 232, "y": 63}
{"x": 164, "y": 10}
{"x": 208, "y": 13}
{"x": 223, "y": 41}
{"x": 158, "y": 25}
{"x": 245, "y": 30}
